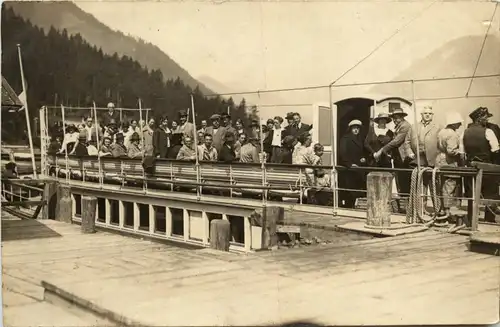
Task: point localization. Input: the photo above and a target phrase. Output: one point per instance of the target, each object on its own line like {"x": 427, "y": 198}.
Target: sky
{"x": 267, "y": 45}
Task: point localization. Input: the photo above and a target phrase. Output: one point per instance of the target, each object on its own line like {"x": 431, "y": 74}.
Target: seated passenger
{"x": 134, "y": 151}
{"x": 105, "y": 149}
{"x": 70, "y": 139}
{"x": 227, "y": 154}
{"x": 303, "y": 153}
{"x": 111, "y": 129}
{"x": 187, "y": 151}
{"x": 118, "y": 149}
{"x": 206, "y": 151}
{"x": 80, "y": 149}
{"x": 237, "y": 146}
{"x": 249, "y": 151}
{"x": 176, "y": 145}
{"x": 55, "y": 145}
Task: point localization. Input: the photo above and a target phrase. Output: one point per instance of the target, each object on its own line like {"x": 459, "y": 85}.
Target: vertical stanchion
{"x": 195, "y": 141}
{"x": 43, "y": 141}
{"x": 262, "y": 159}
{"x": 96, "y": 125}
{"x": 417, "y": 155}
{"x": 26, "y": 111}
{"x": 66, "y": 148}
{"x": 335, "y": 175}
{"x": 144, "y": 182}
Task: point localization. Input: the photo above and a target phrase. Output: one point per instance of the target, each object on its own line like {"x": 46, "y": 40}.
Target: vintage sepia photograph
{"x": 250, "y": 163}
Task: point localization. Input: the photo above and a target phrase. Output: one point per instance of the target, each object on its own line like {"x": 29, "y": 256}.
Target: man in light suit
{"x": 426, "y": 132}
{"x": 217, "y": 131}
{"x": 396, "y": 149}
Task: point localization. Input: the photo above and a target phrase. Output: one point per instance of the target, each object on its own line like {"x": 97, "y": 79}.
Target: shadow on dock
{"x": 14, "y": 230}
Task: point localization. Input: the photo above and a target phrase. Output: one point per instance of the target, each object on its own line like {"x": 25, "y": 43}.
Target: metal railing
{"x": 22, "y": 199}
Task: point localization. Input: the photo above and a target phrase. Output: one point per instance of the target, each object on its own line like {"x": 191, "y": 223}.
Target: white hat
{"x": 355, "y": 122}
{"x": 453, "y": 118}
{"x": 111, "y": 105}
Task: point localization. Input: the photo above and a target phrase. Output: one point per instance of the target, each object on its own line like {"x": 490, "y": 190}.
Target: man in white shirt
{"x": 276, "y": 140}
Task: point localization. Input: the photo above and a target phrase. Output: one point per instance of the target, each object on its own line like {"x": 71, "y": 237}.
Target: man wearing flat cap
{"x": 228, "y": 124}
{"x": 185, "y": 128}
{"x": 217, "y": 131}
{"x": 481, "y": 144}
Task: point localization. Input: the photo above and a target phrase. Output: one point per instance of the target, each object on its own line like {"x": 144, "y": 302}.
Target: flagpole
{"x": 35, "y": 175}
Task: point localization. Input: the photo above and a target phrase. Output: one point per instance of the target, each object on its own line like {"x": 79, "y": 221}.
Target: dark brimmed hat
{"x": 270, "y": 121}
{"x": 10, "y": 165}
{"x": 135, "y": 137}
{"x": 382, "y": 115}
{"x": 182, "y": 113}
{"x": 398, "y": 111}
{"x": 289, "y": 115}
{"x": 481, "y": 112}
{"x": 215, "y": 117}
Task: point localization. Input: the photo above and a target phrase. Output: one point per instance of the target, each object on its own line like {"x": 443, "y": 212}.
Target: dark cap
{"x": 481, "y": 112}
{"x": 182, "y": 113}
{"x": 225, "y": 115}
{"x": 215, "y": 117}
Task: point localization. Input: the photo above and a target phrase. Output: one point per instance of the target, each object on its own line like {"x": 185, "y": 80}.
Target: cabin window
{"x": 143, "y": 216}
{"x": 160, "y": 219}
{"x": 101, "y": 209}
{"x": 114, "y": 206}
{"x": 128, "y": 210}
{"x": 177, "y": 221}
{"x": 394, "y": 105}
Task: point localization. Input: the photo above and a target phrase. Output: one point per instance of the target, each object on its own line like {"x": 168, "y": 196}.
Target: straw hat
{"x": 453, "y": 118}
{"x": 383, "y": 115}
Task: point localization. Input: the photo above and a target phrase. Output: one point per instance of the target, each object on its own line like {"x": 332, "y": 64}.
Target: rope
{"x": 415, "y": 204}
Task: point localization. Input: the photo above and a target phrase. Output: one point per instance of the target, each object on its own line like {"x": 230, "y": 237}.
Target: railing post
{"x": 477, "y": 200}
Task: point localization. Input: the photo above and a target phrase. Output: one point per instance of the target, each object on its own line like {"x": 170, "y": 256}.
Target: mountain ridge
{"x": 67, "y": 15}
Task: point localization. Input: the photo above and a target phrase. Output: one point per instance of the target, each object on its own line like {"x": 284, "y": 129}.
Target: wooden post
{"x": 220, "y": 234}
{"x": 50, "y": 196}
{"x": 268, "y": 219}
{"x": 89, "y": 204}
{"x": 477, "y": 200}
{"x": 64, "y": 204}
{"x": 379, "y": 187}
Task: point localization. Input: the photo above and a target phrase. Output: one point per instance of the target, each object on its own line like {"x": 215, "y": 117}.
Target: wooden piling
{"x": 64, "y": 204}
{"x": 89, "y": 204}
{"x": 50, "y": 197}
{"x": 220, "y": 234}
{"x": 379, "y": 187}
{"x": 268, "y": 219}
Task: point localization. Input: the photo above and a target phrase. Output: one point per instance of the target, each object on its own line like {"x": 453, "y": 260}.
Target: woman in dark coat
{"x": 378, "y": 136}
{"x": 352, "y": 153}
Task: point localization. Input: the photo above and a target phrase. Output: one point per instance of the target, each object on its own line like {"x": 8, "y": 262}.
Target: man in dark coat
{"x": 227, "y": 154}
{"x": 161, "y": 139}
{"x": 481, "y": 144}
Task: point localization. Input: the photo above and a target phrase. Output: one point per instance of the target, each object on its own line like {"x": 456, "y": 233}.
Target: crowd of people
{"x": 429, "y": 144}
{"x": 375, "y": 145}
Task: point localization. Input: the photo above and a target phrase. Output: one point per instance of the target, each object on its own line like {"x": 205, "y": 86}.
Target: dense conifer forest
{"x": 61, "y": 68}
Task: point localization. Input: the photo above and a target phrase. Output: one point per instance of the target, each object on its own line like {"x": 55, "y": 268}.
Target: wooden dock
{"x": 424, "y": 278}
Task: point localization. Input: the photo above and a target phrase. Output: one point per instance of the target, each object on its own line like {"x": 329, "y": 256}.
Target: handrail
{"x": 463, "y": 171}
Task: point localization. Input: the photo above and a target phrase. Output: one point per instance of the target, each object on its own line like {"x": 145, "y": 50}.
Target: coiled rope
{"x": 415, "y": 205}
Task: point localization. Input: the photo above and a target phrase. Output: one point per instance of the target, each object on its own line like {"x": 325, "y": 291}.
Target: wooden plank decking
{"x": 425, "y": 278}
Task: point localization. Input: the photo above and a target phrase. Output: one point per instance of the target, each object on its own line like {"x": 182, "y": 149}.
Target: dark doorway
{"x": 350, "y": 109}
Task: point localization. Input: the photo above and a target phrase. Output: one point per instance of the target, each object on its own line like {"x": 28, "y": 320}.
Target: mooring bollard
{"x": 89, "y": 204}
{"x": 379, "y": 187}
{"x": 64, "y": 204}
{"x": 268, "y": 219}
{"x": 220, "y": 234}
{"x": 50, "y": 196}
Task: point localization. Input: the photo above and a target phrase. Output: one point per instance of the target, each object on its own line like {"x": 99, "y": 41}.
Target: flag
{"x": 22, "y": 97}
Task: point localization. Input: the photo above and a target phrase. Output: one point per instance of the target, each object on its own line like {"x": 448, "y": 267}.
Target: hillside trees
{"x": 61, "y": 68}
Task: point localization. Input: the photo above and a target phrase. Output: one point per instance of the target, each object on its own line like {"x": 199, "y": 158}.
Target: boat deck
{"x": 424, "y": 278}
